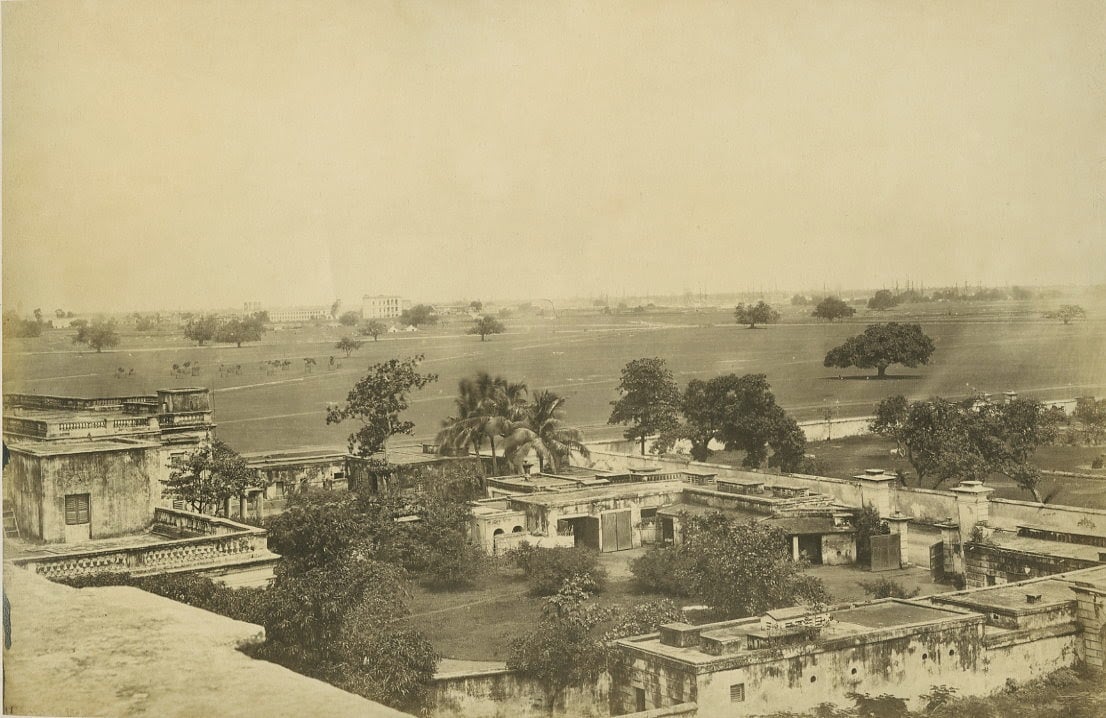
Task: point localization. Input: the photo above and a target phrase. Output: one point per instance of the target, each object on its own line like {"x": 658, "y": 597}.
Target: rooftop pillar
{"x": 972, "y": 506}
{"x": 900, "y": 525}
{"x": 875, "y": 489}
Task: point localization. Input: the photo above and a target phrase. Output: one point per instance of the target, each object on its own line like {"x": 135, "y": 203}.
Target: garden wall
{"x": 505, "y": 694}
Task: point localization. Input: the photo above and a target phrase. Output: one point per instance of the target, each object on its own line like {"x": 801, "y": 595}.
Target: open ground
{"x": 987, "y": 348}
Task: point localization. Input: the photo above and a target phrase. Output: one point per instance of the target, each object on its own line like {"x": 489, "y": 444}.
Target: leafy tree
{"x": 349, "y": 319}
{"x": 201, "y": 329}
{"x": 1021, "y": 293}
{"x": 564, "y": 649}
{"x": 868, "y": 524}
{"x": 318, "y": 528}
{"x": 209, "y": 477}
{"x": 882, "y": 345}
{"x": 373, "y": 328}
{"x": 239, "y": 329}
{"x": 348, "y": 345}
{"x": 648, "y": 400}
{"x": 754, "y": 314}
{"x": 644, "y": 618}
{"x": 547, "y": 569}
{"x": 739, "y": 569}
{"x": 487, "y": 325}
{"x": 943, "y": 439}
{"x": 338, "y": 622}
{"x": 419, "y": 315}
{"x": 740, "y": 412}
{"x": 544, "y": 431}
{"x": 377, "y": 401}
{"x": 476, "y": 305}
{"x": 14, "y": 326}
{"x": 832, "y": 308}
{"x": 98, "y": 335}
{"x": 882, "y": 301}
{"x": 1067, "y": 313}
{"x": 1091, "y": 415}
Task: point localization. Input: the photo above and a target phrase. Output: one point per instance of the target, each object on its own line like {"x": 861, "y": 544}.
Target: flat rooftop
{"x": 1012, "y": 596}
{"x": 79, "y": 446}
{"x": 119, "y": 651}
{"x": 703, "y": 510}
{"x": 1061, "y": 549}
{"x": 845, "y": 621}
{"x": 609, "y": 491}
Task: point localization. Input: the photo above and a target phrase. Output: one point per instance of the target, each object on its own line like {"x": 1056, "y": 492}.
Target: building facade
{"x": 382, "y": 306}
{"x": 286, "y": 315}
{"x": 82, "y": 469}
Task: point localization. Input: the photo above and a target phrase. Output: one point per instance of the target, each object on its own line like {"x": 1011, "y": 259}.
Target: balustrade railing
{"x": 224, "y": 543}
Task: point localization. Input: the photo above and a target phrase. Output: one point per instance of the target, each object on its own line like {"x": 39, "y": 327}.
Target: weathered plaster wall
{"x": 23, "y": 490}
{"x": 664, "y": 683}
{"x": 504, "y": 694}
{"x": 983, "y": 562}
{"x": 123, "y": 488}
{"x": 838, "y": 549}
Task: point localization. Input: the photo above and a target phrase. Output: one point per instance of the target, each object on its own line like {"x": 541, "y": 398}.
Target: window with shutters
{"x": 737, "y": 693}
{"x": 76, "y": 509}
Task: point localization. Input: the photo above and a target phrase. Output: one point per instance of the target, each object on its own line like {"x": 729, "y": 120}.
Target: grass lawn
{"x": 993, "y": 348}
{"x": 476, "y": 624}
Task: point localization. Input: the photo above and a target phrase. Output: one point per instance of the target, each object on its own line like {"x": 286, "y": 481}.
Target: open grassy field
{"x": 993, "y": 348}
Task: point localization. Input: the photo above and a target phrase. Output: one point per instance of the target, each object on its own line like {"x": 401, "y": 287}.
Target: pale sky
{"x": 198, "y": 154}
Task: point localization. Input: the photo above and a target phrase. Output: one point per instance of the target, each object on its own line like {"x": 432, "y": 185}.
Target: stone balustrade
{"x": 224, "y": 543}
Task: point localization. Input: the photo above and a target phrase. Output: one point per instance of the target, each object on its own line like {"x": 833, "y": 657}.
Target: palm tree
{"x": 487, "y": 407}
{"x": 544, "y": 432}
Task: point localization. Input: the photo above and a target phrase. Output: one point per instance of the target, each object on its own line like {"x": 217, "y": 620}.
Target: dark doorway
{"x": 810, "y": 548}
{"x": 937, "y": 561}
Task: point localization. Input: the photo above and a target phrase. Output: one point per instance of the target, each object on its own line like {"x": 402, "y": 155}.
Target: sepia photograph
{"x": 558, "y": 359}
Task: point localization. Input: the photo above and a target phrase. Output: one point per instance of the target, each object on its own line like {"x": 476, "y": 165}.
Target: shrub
{"x": 659, "y": 570}
{"x": 886, "y": 588}
{"x": 547, "y": 569}
{"x": 1098, "y": 462}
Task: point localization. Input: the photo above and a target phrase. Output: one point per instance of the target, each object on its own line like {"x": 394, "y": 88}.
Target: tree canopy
{"x": 486, "y": 407}
{"x": 486, "y": 326}
{"x": 209, "y": 477}
{"x": 350, "y": 318}
{"x": 543, "y": 431}
{"x": 737, "y": 568}
{"x": 419, "y": 315}
{"x": 832, "y": 308}
{"x": 373, "y": 328}
{"x": 1067, "y": 313}
{"x": 648, "y": 401}
{"x": 883, "y": 300}
{"x": 754, "y": 314}
{"x": 741, "y": 413}
{"x": 882, "y": 345}
{"x": 202, "y": 328}
{"x": 348, "y": 345}
{"x": 377, "y": 401}
{"x": 236, "y": 330}
{"x": 98, "y": 335}
{"x": 946, "y": 440}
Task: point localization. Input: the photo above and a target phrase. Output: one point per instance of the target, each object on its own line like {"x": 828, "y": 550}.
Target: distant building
{"x": 298, "y": 314}
{"x": 252, "y": 307}
{"x": 382, "y": 306}
{"x": 84, "y": 469}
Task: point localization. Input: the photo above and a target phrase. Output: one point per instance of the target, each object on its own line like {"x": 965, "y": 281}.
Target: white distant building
{"x": 382, "y": 306}
{"x": 298, "y": 314}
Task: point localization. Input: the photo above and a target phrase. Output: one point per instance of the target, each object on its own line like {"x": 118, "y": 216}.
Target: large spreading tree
{"x": 377, "y": 401}
{"x": 201, "y": 329}
{"x": 882, "y": 345}
{"x": 98, "y": 335}
{"x": 236, "y": 330}
{"x": 649, "y": 400}
{"x": 1068, "y": 313}
{"x": 486, "y": 326}
{"x": 883, "y": 300}
{"x": 832, "y": 308}
{"x": 737, "y": 568}
{"x": 754, "y": 314}
{"x": 741, "y": 413}
{"x": 945, "y": 440}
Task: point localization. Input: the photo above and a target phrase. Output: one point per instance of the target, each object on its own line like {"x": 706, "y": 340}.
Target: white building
{"x": 382, "y": 306}
{"x": 298, "y": 314}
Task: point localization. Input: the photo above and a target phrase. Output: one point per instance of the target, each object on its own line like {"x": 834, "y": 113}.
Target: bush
{"x": 658, "y": 571}
{"x": 886, "y": 588}
{"x": 1098, "y": 462}
{"x": 547, "y": 569}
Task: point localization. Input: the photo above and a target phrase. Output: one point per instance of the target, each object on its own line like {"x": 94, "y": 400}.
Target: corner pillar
{"x": 900, "y": 525}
